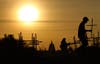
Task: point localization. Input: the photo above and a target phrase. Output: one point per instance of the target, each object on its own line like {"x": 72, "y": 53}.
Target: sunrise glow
{"x": 28, "y": 14}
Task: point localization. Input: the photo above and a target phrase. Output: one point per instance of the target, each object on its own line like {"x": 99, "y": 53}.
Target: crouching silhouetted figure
{"x": 64, "y": 46}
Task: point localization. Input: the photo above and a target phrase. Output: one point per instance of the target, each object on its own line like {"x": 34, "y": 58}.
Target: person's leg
{"x": 84, "y": 42}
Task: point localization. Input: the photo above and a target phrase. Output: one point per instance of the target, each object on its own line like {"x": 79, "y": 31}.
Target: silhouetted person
{"x": 51, "y": 48}
{"x": 82, "y": 35}
{"x": 63, "y": 45}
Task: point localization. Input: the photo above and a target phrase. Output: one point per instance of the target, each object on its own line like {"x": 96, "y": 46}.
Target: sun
{"x": 28, "y": 14}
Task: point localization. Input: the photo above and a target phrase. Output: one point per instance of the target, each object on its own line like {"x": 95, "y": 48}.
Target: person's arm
{"x": 88, "y": 30}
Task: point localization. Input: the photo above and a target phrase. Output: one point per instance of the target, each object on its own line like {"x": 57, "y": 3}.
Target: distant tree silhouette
{"x": 3, "y": 43}
{"x": 9, "y": 41}
{"x": 63, "y": 45}
{"x": 82, "y": 35}
{"x": 12, "y": 41}
{"x": 51, "y": 48}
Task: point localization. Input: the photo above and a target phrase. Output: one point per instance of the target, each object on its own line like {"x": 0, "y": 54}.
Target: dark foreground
{"x": 28, "y": 56}
{"x": 13, "y": 51}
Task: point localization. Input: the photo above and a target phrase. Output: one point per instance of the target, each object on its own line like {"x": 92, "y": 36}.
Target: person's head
{"x": 64, "y": 38}
{"x": 85, "y": 19}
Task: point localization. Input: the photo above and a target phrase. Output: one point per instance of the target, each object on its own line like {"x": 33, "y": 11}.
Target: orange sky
{"x": 58, "y": 18}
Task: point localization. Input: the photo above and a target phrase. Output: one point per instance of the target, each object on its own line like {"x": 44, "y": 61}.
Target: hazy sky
{"x": 58, "y": 18}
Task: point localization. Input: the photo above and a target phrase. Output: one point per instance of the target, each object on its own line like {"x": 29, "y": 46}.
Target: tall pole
{"x": 36, "y": 41}
{"x": 98, "y": 39}
{"x": 75, "y": 42}
{"x": 92, "y": 24}
{"x": 92, "y": 28}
